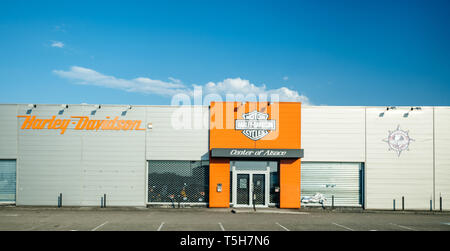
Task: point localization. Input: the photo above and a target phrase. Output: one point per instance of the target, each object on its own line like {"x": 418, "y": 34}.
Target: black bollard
{"x": 60, "y": 200}
{"x": 440, "y": 203}
{"x": 332, "y": 201}
{"x": 403, "y": 203}
{"x": 394, "y": 204}
{"x": 104, "y": 200}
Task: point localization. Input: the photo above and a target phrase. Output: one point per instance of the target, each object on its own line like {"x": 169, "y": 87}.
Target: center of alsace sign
{"x": 256, "y": 153}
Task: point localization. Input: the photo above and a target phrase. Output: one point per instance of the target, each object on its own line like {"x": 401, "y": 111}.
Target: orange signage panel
{"x": 255, "y": 125}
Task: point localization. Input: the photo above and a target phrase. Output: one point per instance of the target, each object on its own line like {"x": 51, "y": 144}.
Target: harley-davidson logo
{"x": 398, "y": 140}
{"x": 255, "y": 125}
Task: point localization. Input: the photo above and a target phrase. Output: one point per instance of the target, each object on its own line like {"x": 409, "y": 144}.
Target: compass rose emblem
{"x": 398, "y": 140}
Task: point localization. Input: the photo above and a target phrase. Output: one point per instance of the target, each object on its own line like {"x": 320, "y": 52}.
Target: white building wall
{"x": 333, "y": 133}
{"x": 178, "y": 133}
{"x": 390, "y": 176}
{"x": 82, "y": 165}
{"x": 48, "y": 163}
{"x": 442, "y": 156}
{"x": 8, "y": 132}
{"x": 114, "y": 161}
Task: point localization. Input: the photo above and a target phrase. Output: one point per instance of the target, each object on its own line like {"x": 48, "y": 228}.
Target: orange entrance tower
{"x": 255, "y": 131}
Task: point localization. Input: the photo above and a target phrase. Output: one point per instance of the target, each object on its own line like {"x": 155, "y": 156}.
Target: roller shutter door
{"x": 7, "y": 180}
{"x": 343, "y": 180}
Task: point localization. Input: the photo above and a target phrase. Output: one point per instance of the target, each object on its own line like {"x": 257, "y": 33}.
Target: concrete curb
{"x": 302, "y": 211}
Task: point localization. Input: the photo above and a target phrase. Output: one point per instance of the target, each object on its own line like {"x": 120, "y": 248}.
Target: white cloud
{"x": 238, "y": 86}
{"x": 87, "y": 76}
{"x": 234, "y": 86}
{"x": 57, "y": 44}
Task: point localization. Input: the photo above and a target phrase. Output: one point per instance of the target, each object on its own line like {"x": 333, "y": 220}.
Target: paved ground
{"x": 197, "y": 219}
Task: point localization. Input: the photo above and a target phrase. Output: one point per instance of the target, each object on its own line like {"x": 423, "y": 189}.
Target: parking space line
{"x": 342, "y": 226}
{"x": 408, "y": 228}
{"x": 221, "y": 226}
{"x": 285, "y": 228}
{"x": 99, "y": 226}
{"x": 160, "y": 226}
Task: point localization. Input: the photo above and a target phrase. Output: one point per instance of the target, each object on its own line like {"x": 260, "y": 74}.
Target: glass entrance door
{"x": 243, "y": 189}
{"x": 259, "y": 189}
{"x": 250, "y": 188}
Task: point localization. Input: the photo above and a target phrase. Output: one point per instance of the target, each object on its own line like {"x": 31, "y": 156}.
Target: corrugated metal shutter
{"x": 8, "y": 180}
{"x": 343, "y": 180}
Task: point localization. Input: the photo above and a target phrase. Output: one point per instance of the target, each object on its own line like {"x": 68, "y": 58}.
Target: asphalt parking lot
{"x": 204, "y": 219}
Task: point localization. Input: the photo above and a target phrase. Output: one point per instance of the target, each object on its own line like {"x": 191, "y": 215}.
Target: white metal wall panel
{"x": 7, "y": 180}
{"x": 49, "y": 163}
{"x": 114, "y": 161}
{"x": 442, "y": 156}
{"x": 82, "y": 165}
{"x": 8, "y": 132}
{"x": 170, "y": 139}
{"x": 339, "y": 179}
{"x": 390, "y": 176}
{"x": 333, "y": 133}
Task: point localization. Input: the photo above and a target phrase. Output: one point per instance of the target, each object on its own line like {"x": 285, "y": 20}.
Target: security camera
{"x": 65, "y": 106}
{"x": 31, "y": 106}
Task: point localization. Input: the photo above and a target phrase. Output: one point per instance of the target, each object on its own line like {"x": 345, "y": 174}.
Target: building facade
{"x": 225, "y": 155}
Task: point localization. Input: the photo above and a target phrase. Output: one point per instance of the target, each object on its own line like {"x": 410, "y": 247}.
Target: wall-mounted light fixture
{"x": 149, "y": 125}
{"x": 97, "y": 107}
{"x": 64, "y": 107}
{"x": 391, "y": 108}
{"x": 410, "y": 110}
{"x": 30, "y": 108}
{"x": 128, "y": 108}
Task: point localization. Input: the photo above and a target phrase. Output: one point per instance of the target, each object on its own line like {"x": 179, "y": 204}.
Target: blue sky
{"x": 141, "y": 52}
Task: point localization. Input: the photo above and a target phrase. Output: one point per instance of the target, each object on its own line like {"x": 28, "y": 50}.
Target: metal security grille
{"x": 178, "y": 181}
{"x": 8, "y": 180}
{"x": 274, "y": 194}
{"x": 259, "y": 189}
{"x": 341, "y": 180}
